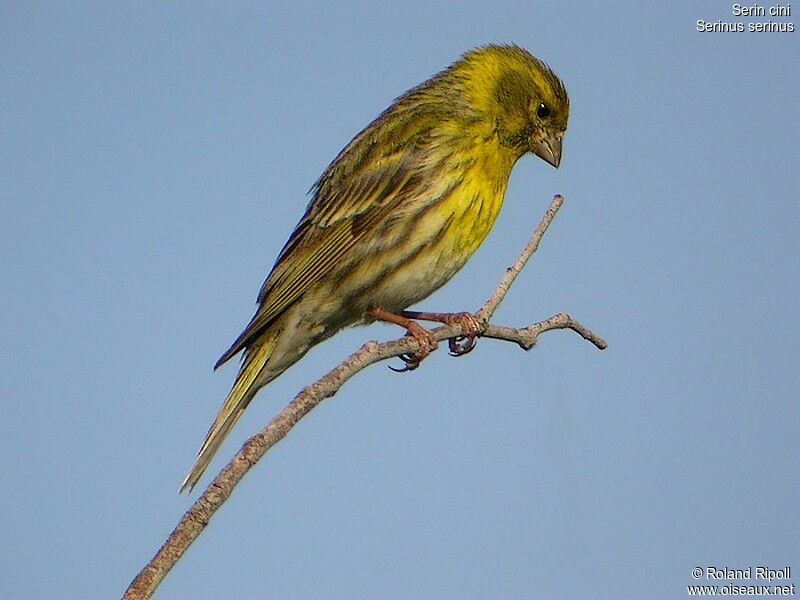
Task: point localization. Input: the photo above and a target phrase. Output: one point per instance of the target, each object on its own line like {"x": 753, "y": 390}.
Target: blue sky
{"x": 156, "y": 156}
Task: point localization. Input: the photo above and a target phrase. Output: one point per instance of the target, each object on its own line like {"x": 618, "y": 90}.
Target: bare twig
{"x": 526, "y": 336}
{"x": 198, "y": 516}
{"x": 487, "y": 310}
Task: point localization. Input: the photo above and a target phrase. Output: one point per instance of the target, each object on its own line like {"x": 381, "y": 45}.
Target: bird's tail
{"x": 247, "y": 383}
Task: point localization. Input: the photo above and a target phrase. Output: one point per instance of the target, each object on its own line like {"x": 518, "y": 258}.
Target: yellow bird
{"x": 396, "y": 214}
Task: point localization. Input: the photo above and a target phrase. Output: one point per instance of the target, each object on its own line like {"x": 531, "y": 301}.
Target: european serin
{"x": 397, "y": 213}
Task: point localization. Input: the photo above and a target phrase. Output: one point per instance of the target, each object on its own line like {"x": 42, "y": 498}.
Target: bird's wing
{"x": 351, "y": 198}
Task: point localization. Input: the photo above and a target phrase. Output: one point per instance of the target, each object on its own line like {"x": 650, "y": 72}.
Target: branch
{"x": 218, "y": 491}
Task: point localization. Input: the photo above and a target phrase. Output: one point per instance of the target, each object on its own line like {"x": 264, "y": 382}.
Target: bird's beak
{"x": 549, "y": 150}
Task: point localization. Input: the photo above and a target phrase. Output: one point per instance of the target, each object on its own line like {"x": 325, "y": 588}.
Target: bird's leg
{"x": 427, "y": 343}
{"x": 470, "y": 326}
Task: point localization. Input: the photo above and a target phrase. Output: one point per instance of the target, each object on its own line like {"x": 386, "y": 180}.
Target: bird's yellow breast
{"x": 449, "y": 232}
{"x": 472, "y": 208}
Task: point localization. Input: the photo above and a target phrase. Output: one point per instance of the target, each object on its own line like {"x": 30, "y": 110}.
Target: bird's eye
{"x": 542, "y": 111}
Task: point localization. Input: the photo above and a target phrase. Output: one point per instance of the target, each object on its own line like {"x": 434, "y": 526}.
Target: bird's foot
{"x": 427, "y": 342}
{"x": 469, "y": 323}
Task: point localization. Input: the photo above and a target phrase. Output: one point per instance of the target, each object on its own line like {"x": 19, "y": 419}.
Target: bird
{"x": 396, "y": 214}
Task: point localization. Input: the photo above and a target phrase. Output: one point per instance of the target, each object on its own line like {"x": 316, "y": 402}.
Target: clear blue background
{"x": 155, "y": 157}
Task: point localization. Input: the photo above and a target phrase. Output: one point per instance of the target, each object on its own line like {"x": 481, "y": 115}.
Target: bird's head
{"x": 525, "y": 102}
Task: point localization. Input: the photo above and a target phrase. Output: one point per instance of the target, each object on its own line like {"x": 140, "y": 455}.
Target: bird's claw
{"x": 411, "y": 362}
{"x": 427, "y": 344}
{"x": 459, "y": 346}
{"x": 470, "y": 326}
